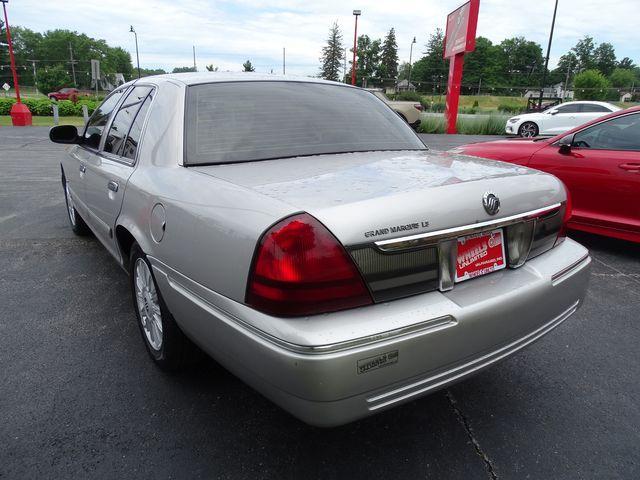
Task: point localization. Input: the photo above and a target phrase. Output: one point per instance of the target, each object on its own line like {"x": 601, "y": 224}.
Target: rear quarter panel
{"x": 212, "y": 226}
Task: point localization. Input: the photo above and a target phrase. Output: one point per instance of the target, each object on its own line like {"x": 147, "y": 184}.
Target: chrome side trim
{"x": 431, "y": 325}
{"x": 430, "y": 383}
{"x": 558, "y": 277}
{"x": 428, "y": 238}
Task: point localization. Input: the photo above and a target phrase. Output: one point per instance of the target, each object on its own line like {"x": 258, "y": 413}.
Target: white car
{"x": 557, "y": 119}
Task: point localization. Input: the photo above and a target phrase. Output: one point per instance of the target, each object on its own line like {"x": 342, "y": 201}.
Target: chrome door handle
{"x": 82, "y": 168}
{"x": 631, "y": 167}
{"x": 113, "y": 186}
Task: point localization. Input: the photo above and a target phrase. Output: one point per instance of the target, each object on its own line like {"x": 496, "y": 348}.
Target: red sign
{"x": 480, "y": 254}
{"x": 461, "y": 29}
{"x": 459, "y": 39}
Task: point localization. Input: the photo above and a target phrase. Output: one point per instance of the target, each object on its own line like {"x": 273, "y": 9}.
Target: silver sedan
{"x": 300, "y": 233}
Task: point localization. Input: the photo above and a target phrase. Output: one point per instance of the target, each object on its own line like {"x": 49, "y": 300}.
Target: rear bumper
{"x": 430, "y": 340}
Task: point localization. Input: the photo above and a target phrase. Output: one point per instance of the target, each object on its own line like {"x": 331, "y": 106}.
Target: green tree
{"x": 605, "y": 58}
{"x": 388, "y": 68}
{"x": 483, "y": 67}
{"x": 332, "y": 53}
{"x": 584, "y": 52}
{"x": 146, "y": 72}
{"x": 368, "y": 60}
{"x": 184, "y": 69}
{"x": 432, "y": 67}
{"x": 211, "y": 68}
{"x": 626, "y": 63}
{"x": 622, "y": 78}
{"x": 403, "y": 71}
{"x": 54, "y": 78}
{"x": 248, "y": 67}
{"x": 591, "y": 85}
{"x": 522, "y": 62}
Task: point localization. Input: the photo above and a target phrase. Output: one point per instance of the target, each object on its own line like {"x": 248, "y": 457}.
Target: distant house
{"x": 405, "y": 86}
{"x": 626, "y": 97}
{"x": 554, "y": 91}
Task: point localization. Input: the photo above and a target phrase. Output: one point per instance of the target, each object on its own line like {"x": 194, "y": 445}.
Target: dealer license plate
{"x": 480, "y": 254}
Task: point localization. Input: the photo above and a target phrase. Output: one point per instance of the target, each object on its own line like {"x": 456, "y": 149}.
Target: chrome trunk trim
{"x": 430, "y": 238}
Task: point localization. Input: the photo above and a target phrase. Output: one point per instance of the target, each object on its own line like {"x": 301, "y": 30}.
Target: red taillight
{"x": 418, "y": 106}
{"x": 300, "y": 268}
{"x": 567, "y": 216}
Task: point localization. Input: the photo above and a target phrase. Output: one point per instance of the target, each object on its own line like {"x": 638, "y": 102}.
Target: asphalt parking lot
{"x": 80, "y": 399}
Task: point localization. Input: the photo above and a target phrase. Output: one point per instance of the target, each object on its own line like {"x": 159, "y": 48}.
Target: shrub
{"x": 409, "y": 96}
{"x": 590, "y": 85}
{"x": 5, "y": 105}
{"x": 509, "y": 107}
{"x": 492, "y": 125}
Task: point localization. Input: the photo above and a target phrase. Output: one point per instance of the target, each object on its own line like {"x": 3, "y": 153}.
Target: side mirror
{"x": 565, "y": 145}
{"x": 553, "y": 112}
{"x": 64, "y": 134}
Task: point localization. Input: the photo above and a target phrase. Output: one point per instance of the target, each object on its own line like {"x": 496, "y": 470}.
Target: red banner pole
{"x": 11, "y": 57}
{"x": 20, "y": 114}
{"x": 453, "y": 91}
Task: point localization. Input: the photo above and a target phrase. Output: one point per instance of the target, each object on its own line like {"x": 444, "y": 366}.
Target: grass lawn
{"x": 5, "y": 121}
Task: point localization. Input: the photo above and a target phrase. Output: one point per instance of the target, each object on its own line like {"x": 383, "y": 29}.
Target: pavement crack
{"x": 631, "y": 277}
{"x": 476, "y": 445}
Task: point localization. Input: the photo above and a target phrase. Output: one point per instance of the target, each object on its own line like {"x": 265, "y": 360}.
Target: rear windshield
{"x": 248, "y": 121}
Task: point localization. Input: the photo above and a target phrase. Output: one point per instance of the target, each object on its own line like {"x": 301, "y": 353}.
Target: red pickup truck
{"x": 64, "y": 93}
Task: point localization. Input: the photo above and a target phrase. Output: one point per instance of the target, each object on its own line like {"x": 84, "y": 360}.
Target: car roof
{"x": 590, "y": 102}
{"x": 196, "y": 78}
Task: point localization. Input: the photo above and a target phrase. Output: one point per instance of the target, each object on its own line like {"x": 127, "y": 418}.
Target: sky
{"x": 226, "y": 33}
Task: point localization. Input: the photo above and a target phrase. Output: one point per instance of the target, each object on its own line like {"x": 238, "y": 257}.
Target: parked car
{"x": 557, "y": 119}
{"x": 598, "y": 162}
{"x": 63, "y": 94}
{"x": 408, "y": 111}
{"x": 312, "y": 244}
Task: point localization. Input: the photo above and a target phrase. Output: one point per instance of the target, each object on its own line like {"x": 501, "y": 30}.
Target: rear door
{"x": 591, "y": 111}
{"x": 602, "y": 172}
{"x": 109, "y": 170}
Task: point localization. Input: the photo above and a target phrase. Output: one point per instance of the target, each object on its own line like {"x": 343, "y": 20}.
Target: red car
{"x": 599, "y": 162}
{"x": 63, "y": 94}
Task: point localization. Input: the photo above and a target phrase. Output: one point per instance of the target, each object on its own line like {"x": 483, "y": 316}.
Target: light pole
{"x": 20, "y": 114}
{"x": 356, "y": 13}
{"x": 410, "y": 65}
{"x": 546, "y": 62}
{"x": 131, "y": 30}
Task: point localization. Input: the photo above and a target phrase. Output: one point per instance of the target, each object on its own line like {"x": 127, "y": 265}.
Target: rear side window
{"x": 259, "y": 120}
{"x": 133, "y": 139}
{"x": 589, "y": 107}
{"x": 124, "y": 119}
{"x": 99, "y": 119}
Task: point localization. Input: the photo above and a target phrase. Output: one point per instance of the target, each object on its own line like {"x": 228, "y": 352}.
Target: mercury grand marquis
{"x": 301, "y": 234}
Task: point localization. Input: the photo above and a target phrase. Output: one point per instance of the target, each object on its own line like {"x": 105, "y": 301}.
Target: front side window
{"x": 249, "y": 121}
{"x": 569, "y": 108}
{"x": 124, "y": 119}
{"x": 99, "y": 119}
{"x": 620, "y": 133}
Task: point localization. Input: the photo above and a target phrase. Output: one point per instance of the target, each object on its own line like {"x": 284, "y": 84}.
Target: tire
{"x": 78, "y": 225}
{"x": 528, "y": 130}
{"x": 168, "y": 347}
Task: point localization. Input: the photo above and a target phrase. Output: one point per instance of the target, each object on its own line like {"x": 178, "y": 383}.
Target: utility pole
{"x": 35, "y": 77}
{"x": 132, "y": 30}
{"x": 194, "y": 59}
{"x": 73, "y": 67}
{"x": 410, "y": 64}
{"x": 479, "y": 85}
{"x": 356, "y": 13}
{"x": 284, "y": 56}
{"x": 344, "y": 68}
{"x": 546, "y": 62}
{"x": 566, "y": 82}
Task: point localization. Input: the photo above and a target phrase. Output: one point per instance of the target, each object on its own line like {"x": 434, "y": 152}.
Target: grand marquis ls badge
{"x": 491, "y": 203}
